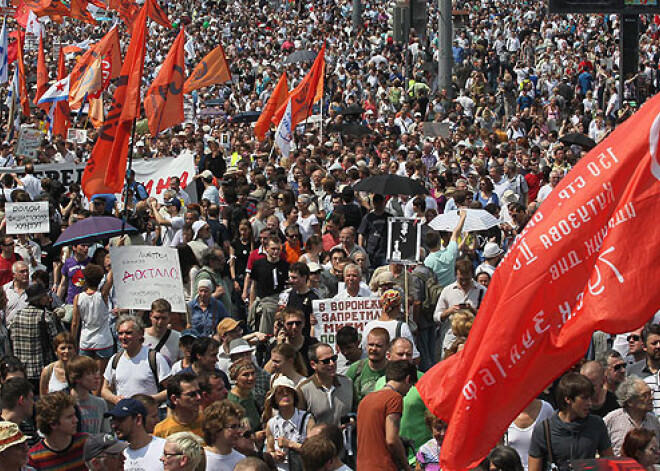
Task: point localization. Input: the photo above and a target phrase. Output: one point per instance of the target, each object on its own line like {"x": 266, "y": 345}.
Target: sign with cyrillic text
{"x": 333, "y": 314}
{"x": 27, "y": 218}
{"x": 143, "y": 274}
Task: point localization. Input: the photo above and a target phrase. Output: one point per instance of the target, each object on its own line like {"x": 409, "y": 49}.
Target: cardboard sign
{"x": 331, "y": 315}
{"x": 27, "y": 218}
{"x": 29, "y": 139}
{"x": 78, "y": 136}
{"x": 143, "y": 274}
{"x": 404, "y": 240}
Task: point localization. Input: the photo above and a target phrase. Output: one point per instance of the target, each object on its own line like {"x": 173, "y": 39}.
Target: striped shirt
{"x": 43, "y": 458}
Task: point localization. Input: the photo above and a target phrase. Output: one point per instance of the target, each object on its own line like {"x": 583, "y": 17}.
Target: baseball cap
{"x": 176, "y": 202}
{"x": 127, "y": 407}
{"x": 102, "y": 443}
{"x": 189, "y": 333}
{"x": 227, "y": 325}
{"x": 207, "y": 175}
{"x": 314, "y": 267}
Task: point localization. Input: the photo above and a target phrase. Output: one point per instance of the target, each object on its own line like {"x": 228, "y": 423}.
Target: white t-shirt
{"x": 521, "y": 439}
{"x": 217, "y": 462}
{"x": 169, "y": 231}
{"x": 146, "y": 458}
{"x": 306, "y": 226}
{"x": 134, "y": 376}
{"x": 170, "y": 350}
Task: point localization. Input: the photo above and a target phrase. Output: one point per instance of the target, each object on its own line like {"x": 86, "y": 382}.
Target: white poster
{"x": 155, "y": 175}
{"x": 331, "y": 315}
{"x": 29, "y": 139}
{"x": 404, "y": 240}
{"x": 143, "y": 274}
{"x": 27, "y": 218}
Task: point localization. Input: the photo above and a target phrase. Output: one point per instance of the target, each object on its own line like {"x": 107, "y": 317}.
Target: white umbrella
{"x": 476, "y": 220}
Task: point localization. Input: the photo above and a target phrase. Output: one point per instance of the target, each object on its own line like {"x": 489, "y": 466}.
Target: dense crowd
{"x": 239, "y": 380}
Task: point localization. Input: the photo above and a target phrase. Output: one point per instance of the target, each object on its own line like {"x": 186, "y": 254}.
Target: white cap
{"x": 491, "y": 249}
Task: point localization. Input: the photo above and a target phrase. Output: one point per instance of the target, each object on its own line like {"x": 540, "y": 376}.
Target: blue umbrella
{"x": 93, "y": 229}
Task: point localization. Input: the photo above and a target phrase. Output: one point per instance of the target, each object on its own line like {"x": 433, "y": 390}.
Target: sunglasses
{"x": 634, "y": 338}
{"x": 194, "y": 393}
{"x": 327, "y": 361}
{"x": 619, "y": 367}
{"x": 292, "y": 323}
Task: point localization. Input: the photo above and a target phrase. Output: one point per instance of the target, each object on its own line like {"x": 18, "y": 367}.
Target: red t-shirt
{"x": 372, "y": 447}
{"x": 534, "y": 185}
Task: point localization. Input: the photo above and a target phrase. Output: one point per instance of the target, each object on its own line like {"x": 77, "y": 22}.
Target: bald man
{"x": 604, "y": 401}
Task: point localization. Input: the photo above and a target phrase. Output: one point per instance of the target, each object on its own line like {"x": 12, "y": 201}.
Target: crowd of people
{"x": 240, "y": 380}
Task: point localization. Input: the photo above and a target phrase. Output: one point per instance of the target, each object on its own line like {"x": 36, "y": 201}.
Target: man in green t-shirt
{"x": 366, "y": 372}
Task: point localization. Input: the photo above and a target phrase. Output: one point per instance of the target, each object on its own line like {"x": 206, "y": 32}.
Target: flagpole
{"x": 128, "y": 170}
{"x": 321, "y": 123}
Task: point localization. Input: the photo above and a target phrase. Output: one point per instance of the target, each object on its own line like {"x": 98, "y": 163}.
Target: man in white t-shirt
{"x": 170, "y": 223}
{"x": 159, "y": 336}
{"x": 134, "y": 372}
{"x": 144, "y": 450}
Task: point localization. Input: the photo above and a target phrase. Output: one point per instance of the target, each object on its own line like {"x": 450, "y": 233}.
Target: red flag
{"x": 61, "y": 117}
{"x": 576, "y": 267}
{"x": 36, "y": 4}
{"x": 163, "y": 102}
{"x": 302, "y": 97}
{"x": 108, "y": 49}
{"x": 79, "y": 11}
{"x": 127, "y": 10}
{"x": 211, "y": 70}
{"x": 22, "y": 79}
{"x": 42, "y": 75}
{"x": 156, "y": 13}
{"x": 56, "y": 11}
{"x": 22, "y": 13}
{"x": 277, "y": 99}
{"x": 105, "y": 169}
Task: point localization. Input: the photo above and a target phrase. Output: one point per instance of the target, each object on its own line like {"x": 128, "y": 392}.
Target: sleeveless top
{"x": 95, "y": 333}
{"x": 55, "y": 384}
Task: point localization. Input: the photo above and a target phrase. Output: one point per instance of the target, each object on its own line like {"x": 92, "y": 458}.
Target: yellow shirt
{"x": 170, "y": 426}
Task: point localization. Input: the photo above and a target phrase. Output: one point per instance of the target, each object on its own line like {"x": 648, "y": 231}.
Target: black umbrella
{"x": 214, "y": 102}
{"x": 390, "y": 185}
{"x": 350, "y": 129}
{"x": 215, "y": 111}
{"x": 246, "y": 117}
{"x": 578, "y": 139}
{"x": 300, "y": 56}
{"x": 92, "y": 229}
{"x": 350, "y": 110}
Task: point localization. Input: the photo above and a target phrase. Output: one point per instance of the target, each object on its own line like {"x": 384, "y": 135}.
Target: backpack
{"x": 152, "y": 364}
{"x": 432, "y": 290}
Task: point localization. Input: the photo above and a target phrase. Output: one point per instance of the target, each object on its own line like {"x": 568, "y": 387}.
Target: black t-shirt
{"x": 270, "y": 278}
{"x": 304, "y": 303}
{"x": 608, "y": 406}
{"x": 374, "y": 229}
{"x": 352, "y": 214}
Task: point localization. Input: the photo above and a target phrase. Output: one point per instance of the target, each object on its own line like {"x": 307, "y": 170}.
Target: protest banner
{"x": 333, "y": 314}
{"x": 143, "y": 274}
{"x": 404, "y": 239}
{"x": 29, "y": 139}
{"x": 27, "y": 218}
{"x": 76, "y": 135}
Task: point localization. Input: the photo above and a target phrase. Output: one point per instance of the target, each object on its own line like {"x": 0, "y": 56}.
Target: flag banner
{"x": 277, "y": 99}
{"x": 211, "y": 70}
{"x": 57, "y": 92}
{"x": 34, "y": 26}
{"x": 22, "y": 14}
{"x": 60, "y": 111}
{"x": 42, "y": 75}
{"x": 587, "y": 252}
{"x": 108, "y": 49}
{"x": 4, "y": 53}
{"x": 106, "y": 167}
{"x": 156, "y": 13}
{"x": 22, "y": 78}
{"x": 284, "y": 133}
{"x": 79, "y": 11}
{"x": 90, "y": 83}
{"x": 127, "y": 10}
{"x": 303, "y": 97}
{"x": 163, "y": 102}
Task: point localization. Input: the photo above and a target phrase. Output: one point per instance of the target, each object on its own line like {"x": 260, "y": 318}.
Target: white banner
{"x": 27, "y": 218}
{"x": 331, "y": 315}
{"x": 143, "y": 274}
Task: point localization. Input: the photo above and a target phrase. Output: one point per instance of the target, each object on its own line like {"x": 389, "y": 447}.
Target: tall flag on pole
{"x": 303, "y": 97}
{"x": 284, "y": 132}
{"x": 42, "y": 74}
{"x": 108, "y": 50}
{"x": 4, "y": 53}
{"x": 106, "y": 167}
{"x": 22, "y": 79}
{"x": 163, "y": 102}
{"x": 574, "y": 269}
{"x": 90, "y": 83}
{"x": 156, "y": 13}
{"x": 59, "y": 91}
{"x": 61, "y": 119}
{"x": 79, "y": 11}
{"x": 12, "y": 104}
{"x": 211, "y": 70}
{"x": 277, "y": 99}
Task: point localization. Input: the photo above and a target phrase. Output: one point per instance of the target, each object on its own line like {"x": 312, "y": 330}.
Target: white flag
{"x": 33, "y": 25}
{"x": 57, "y": 92}
{"x": 4, "y": 42}
{"x": 283, "y": 135}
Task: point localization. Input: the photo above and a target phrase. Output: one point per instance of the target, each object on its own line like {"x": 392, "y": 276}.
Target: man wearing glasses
{"x": 143, "y": 451}
{"x": 183, "y": 452}
{"x": 327, "y": 395}
{"x": 184, "y": 396}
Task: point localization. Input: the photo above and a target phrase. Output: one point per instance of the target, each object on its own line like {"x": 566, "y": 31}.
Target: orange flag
{"x": 277, "y": 99}
{"x": 126, "y": 9}
{"x": 319, "y": 88}
{"x": 108, "y": 50}
{"x": 79, "y": 11}
{"x": 304, "y": 95}
{"x": 61, "y": 118}
{"x": 42, "y": 75}
{"x": 56, "y": 11}
{"x": 211, "y": 70}
{"x": 22, "y": 80}
{"x": 156, "y": 13}
{"x": 96, "y": 115}
{"x": 106, "y": 167}
{"x": 163, "y": 102}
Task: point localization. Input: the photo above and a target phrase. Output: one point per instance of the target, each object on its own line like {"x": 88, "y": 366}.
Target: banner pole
{"x": 128, "y": 170}
{"x": 405, "y": 291}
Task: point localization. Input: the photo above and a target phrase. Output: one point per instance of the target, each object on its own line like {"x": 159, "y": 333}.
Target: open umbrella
{"x": 351, "y": 110}
{"x": 246, "y": 117}
{"x": 578, "y": 139}
{"x": 390, "y": 185}
{"x": 300, "y": 56}
{"x": 93, "y": 229}
{"x": 476, "y": 220}
{"x": 215, "y": 111}
{"x": 350, "y": 129}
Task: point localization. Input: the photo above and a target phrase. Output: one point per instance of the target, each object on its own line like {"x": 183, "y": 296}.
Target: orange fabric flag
{"x": 577, "y": 267}
{"x": 277, "y": 99}
{"x": 61, "y": 116}
{"x": 211, "y": 70}
{"x": 22, "y": 79}
{"x": 127, "y": 10}
{"x": 163, "y": 102}
{"x": 96, "y": 114}
{"x": 106, "y": 167}
{"x": 108, "y": 50}
{"x": 304, "y": 95}
{"x": 22, "y": 13}
{"x": 42, "y": 75}
{"x": 91, "y": 83}
{"x": 35, "y": 5}
{"x": 156, "y": 13}
{"x": 319, "y": 88}
{"x": 79, "y": 11}
{"x": 56, "y": 11}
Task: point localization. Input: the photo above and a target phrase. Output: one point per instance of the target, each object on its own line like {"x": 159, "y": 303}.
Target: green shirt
{"x": 250, "y": 407}
{"x": 413, "y": 424}
{"x": 364, "y": 378}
